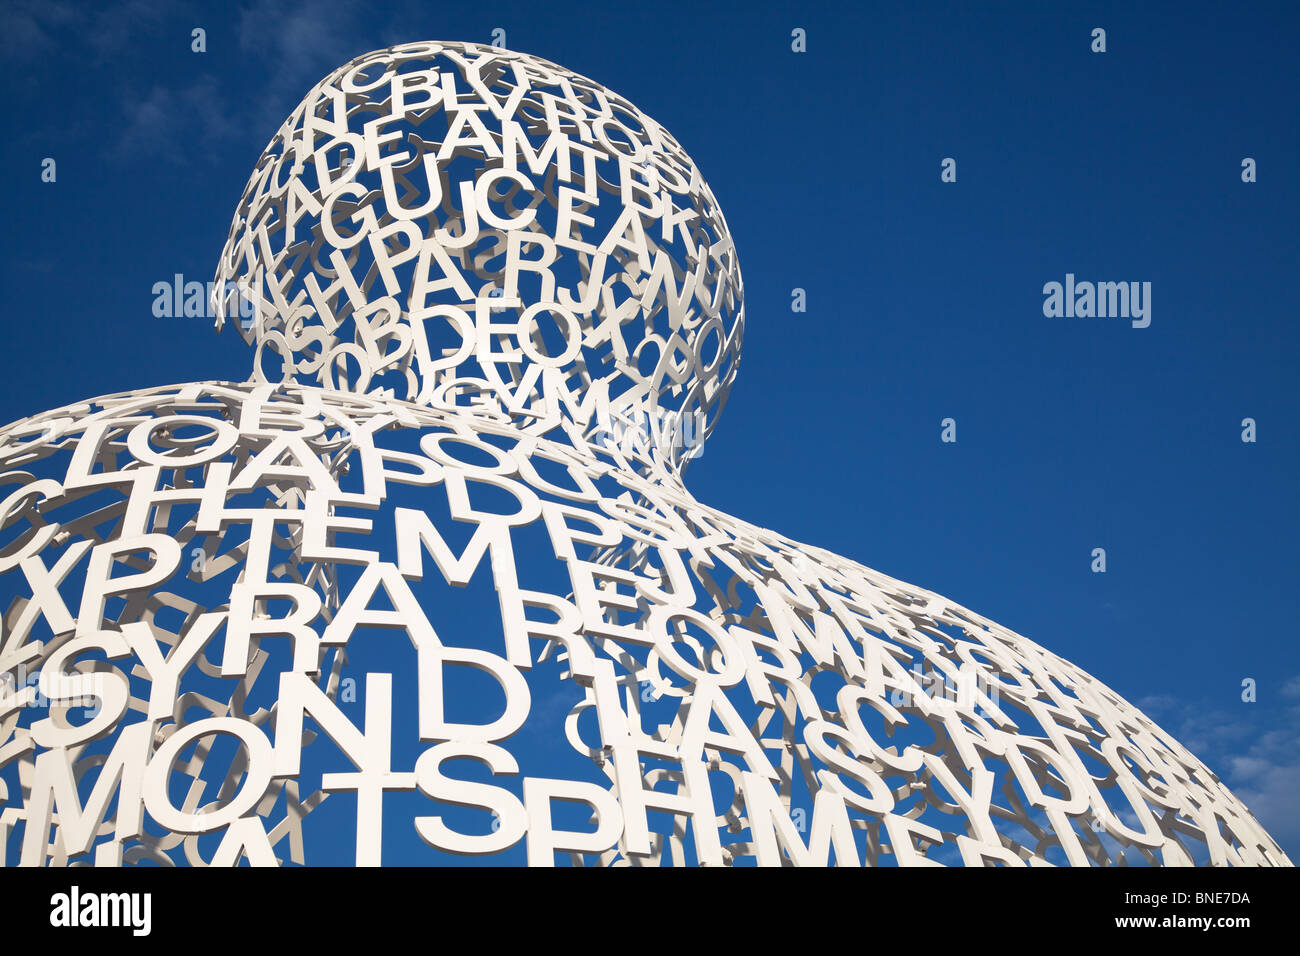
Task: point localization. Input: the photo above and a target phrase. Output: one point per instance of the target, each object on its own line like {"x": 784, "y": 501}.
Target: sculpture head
{"x": 451, "y": 223}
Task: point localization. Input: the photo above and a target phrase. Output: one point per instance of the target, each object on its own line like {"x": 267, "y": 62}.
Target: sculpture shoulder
{"x": 265, "y": 534}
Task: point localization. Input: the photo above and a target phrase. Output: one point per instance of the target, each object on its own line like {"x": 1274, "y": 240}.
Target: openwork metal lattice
{"x": 497, "y": 311}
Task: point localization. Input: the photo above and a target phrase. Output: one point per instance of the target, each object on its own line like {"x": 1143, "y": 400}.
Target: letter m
{"x": 55, "y": 800}
{"x": 825, "y": 640}
{"x": 415, "y": 530}
{"x": 772, "y": 829}
{"x": 514, "y": 143}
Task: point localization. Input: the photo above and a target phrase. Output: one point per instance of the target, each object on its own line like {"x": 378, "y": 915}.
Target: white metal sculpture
{"x": 498, "y": 311}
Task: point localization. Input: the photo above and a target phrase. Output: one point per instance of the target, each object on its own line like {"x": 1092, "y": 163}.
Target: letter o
{"x": 572, "y": 335}
{"x": 258, "y": 777}
{"x": 432, "y": 445}
{"x": 733, "y": 665}
{"x": 223, "y": 438}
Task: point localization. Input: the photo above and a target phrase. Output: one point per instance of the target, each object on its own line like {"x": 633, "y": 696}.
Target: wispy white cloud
{"x": 1270, "y": 791}
{"x": 1261, "y": 769}
{"x": 296, "y": 43}
{"x": 28, "y": 27}
{"x": 34, "y": 28}
{"x": 278, "y": 49}
{"x": 114, "y": 28}
{"x": 176, "y": 124}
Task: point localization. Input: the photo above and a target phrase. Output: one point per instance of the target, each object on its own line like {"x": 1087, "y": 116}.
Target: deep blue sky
{"x": 924, "y": 298}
